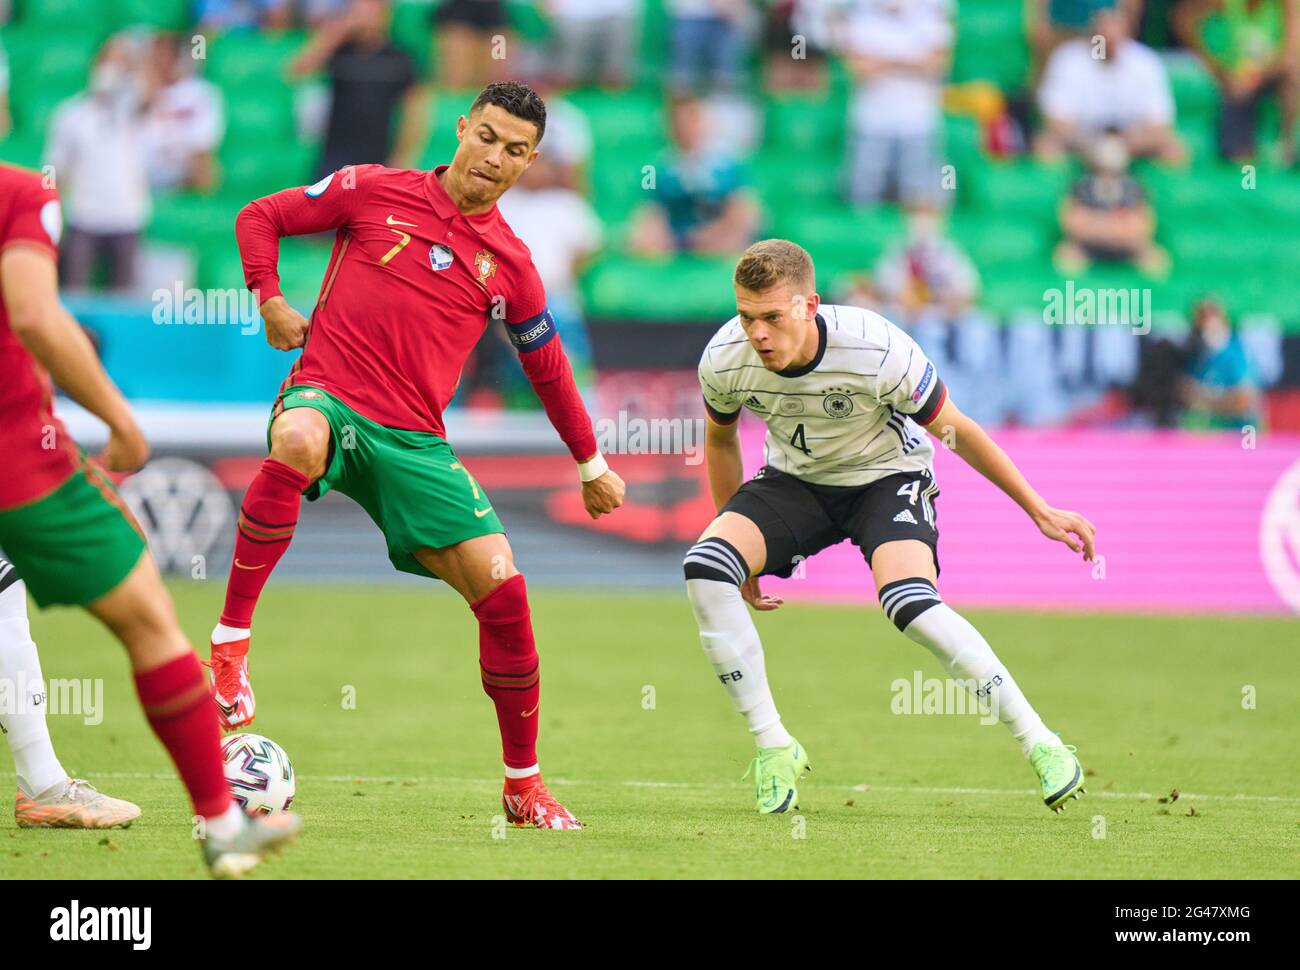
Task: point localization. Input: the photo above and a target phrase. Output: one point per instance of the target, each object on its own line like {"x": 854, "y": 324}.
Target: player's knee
{"x": 715, "y": 559}
{"x": 904, "y": 600}
{"x": 302, "y": 445}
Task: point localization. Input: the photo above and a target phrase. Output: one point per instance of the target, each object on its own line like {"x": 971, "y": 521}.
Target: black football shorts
{"x": 799, "y": 519}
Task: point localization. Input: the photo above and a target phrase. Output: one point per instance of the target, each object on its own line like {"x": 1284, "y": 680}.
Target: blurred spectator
{"x": 707, "y": 43}
{"x": 594, "y": 40}
{"x": 1105, "y": 82}
{"x": 701, "y": 203}
{"x": 1107, "y": 217}
{"x": 929, "y": 275}
{"x": 468, "y": 33}
{"x": 316, "y": 13}
{"x": 97, "y": 148}
{"x": 217, "y": 15}
{"x": 562, "y": 230}
{"x": 1048, "y": 23}
{"x": 1220, "y": 389}
{"x": 568, "y": 137}
{"x": 370, "y": 77}
{"x": 899, "y": 51}
{"x": 184, "y": 120}
{"x": 1252, "y": 48}
{"x": 796, "y": 35}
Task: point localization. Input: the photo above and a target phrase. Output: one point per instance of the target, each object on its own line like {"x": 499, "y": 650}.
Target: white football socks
{"x": 35, "y": 763}
{"x": 731, "y": 643}
{"x": 522, "y": 772}
{"x": 966, "y": 655}
{"x": 226, "y": 825}
{"x": 228, "y": 634}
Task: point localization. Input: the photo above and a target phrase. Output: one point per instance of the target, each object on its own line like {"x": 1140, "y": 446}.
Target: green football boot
{"x": 775, "y": 772}
{"x": 1060, "y": 773}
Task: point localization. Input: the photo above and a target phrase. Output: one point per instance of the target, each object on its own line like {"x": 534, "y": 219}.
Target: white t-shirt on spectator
{"x": 559, "y": 226}
{"x": 1128, "y": 88}
{"x": 592, "y": 9}
{"x": 899, "y": 104}
{"x": 186, "y": 119}
{"x": 97, "y": 149}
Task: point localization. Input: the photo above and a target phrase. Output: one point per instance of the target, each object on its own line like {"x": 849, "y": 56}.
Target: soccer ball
{"x": 258, "y": 773}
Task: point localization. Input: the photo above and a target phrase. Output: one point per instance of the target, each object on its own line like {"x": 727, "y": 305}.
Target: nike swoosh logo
{"x": 398, "y": 222}
{"x": 484, "y": 512}
{"x": 532, "y": 712}
{"x": 240, "y": 565}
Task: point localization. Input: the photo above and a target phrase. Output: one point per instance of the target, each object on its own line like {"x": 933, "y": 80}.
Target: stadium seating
{"x": 1223, "y": 235}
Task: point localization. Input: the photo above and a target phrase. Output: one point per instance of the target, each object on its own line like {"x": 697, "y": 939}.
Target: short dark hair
{"x": 518, "y": 99}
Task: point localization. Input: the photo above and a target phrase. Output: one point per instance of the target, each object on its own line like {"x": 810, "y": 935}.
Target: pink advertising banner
{"x": 1185, "y": 522}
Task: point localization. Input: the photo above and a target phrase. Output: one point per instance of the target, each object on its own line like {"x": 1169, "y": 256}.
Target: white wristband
{"x": 593, "y": 468}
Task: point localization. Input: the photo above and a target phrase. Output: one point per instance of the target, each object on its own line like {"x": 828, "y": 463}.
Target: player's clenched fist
{"x": 126, "y": 451}
{"x": 286, "y": 328}
{"x": 603, "y": 494}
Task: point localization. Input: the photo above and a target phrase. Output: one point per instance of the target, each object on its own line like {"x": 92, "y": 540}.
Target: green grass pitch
{"x": 641, "y": 742}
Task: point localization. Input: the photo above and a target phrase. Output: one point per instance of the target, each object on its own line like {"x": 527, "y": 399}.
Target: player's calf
{"x": 714, "y": 571}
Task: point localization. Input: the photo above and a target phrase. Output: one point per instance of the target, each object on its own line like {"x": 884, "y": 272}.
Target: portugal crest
{"x": 485, "y": 264}
{"x": 838, "y": 405}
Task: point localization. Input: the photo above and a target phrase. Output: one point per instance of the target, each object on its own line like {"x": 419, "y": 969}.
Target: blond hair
{"x": 772, "y": 262}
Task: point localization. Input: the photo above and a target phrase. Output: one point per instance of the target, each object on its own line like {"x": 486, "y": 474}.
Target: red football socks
{"x": 176, "y": 702}
{"x": 266, "y": 523}
{"x": 508, "y": 658}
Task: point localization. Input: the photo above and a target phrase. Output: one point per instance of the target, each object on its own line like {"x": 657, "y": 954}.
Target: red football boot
{"x": 231, "y": 690}
{"x": 527, "y": 802}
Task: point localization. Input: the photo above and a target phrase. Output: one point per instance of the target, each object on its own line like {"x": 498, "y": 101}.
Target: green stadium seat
{"x": 683, "y": 288}
{"x": 992, "y": 241}
{"x": 412, "y": 31}
{"x": 786, "y": 178}
{"x": 88, "y": 16}
{"x": 41, "y": 59}
{"x": 252, "y": 61}
{"x": 809, "y": 123}
{"x": 160, "y": 14}
{"x": 839, "y": 236}
{"x": 267, "y": 119}
{"x": 626, "y": 120}
{"x": 24, "y": 150}
{"x": 250, "y": 170}
{"x": 199, "y": 220}
{"x": 1195, "y": 93}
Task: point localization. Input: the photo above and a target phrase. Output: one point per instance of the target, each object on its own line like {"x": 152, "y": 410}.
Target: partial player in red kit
{"x": 72, "y": 540}
{"x": 422, "y": 263}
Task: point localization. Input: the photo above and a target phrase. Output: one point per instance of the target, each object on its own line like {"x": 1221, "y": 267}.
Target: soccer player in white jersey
{"x": 844, "y": 394}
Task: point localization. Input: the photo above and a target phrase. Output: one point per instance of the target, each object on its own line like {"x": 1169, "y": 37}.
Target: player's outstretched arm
{"x": 31, "y": 294}
{"x": 982, "y": 453}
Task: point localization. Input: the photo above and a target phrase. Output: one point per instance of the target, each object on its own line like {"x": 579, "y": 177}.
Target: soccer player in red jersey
{"x": 67, "y": 532}
{"x": 422, "y": 263}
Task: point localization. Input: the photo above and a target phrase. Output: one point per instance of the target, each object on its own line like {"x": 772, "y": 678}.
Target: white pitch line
{"x": 694, "y": 786}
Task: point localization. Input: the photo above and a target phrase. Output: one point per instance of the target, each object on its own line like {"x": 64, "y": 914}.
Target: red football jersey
{"x": 38, "y": 455}
{"x": 411, "y": 285}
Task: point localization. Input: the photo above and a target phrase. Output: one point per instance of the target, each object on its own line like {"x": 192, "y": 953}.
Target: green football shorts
{"x": 76, "y": 543}
{"x": 409, "y": 482}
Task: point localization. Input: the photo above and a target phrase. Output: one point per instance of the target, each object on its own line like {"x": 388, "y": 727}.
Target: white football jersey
{"x": 847, "y": 417}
